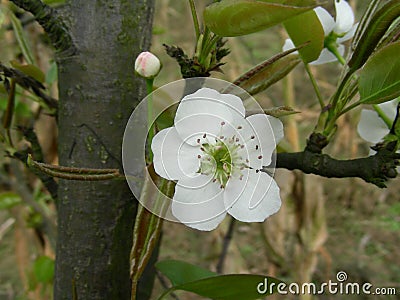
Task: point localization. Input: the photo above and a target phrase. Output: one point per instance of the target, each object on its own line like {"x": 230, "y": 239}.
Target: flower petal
{"x": 344, "y": 17}
{"x": 389, "y": 108}
{"x": 252, "y": 199}
{"x": 349, "y": 35}
{"x": 326, "y": 56}
{"x": 204, "y": 111}
{"x": 371, "y": 128}
{"x": 198, "y": 203}
{"x": 327, "y": 21}
{"x": 267, "y": 132}
{"x": 173, "y": 158}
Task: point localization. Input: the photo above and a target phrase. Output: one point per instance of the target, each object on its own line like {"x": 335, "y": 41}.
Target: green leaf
{"x": 53, "y": 2}
{"x": 21, "y": 38}
{"x": 9, "y": 200}
{"x": 241, "y": 17}
{"x": 43, "y": 269}
{"x": 30, "y": 70}
{"x": 306, "y": 28}
{"x": 268, "y": 72}
{"x": 52, "y": 75}
{"x": 23, "y": 110}
{"x": 228, "y": 287}
{"x": 380, "y": 78}
{"x": 373, "y": 33}
{"x": 180, "y": 272}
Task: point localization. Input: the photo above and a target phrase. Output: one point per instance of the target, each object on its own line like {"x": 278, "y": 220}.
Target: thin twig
{"x": 71, "y": 173}
{"x": 225, "y": 245}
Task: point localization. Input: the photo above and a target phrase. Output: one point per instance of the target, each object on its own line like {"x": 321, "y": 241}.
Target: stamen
{"x": 204, "y": 136}
{"x": 257, "y": 147}
{"x": 222, "y": 123}
{"x": 260, "y": 157}
{"x": 221, "y": 179}
{"x": 199, "y": 156}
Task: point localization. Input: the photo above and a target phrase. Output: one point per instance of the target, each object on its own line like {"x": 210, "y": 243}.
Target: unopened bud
{"x": 147, "y": 65}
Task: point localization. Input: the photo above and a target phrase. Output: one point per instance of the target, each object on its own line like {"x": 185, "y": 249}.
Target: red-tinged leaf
{"x": 267, "y": 73}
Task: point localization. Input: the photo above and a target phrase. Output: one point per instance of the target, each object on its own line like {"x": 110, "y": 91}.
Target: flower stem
{"x": 383, "y": 116}
{"x": 334, "y": 50}
{"x": 195, "y": 19}
{"x": 315, "y": 86}
{"x": 147, "y": 227}
{"x": 150, "y": 114}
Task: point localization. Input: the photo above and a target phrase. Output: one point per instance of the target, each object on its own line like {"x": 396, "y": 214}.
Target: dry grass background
{"x": 324, "y": 226}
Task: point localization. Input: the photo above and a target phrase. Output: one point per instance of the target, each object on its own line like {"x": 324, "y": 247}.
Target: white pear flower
{"x": 215, "y": 154}
{"x": 336, "y": 31}
{"x": 374, "y": 125}
{"x": 147, "y": 65}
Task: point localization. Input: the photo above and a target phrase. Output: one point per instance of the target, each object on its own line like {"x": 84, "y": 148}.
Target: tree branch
{"x": 48, "y": 18}
{"x": 376, "y": 169}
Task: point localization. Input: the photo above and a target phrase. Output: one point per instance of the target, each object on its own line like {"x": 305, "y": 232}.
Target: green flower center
{"x": 222, "y": 160}
{"x": 226, "y": 157}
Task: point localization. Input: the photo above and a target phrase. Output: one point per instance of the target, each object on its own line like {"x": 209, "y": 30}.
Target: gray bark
{"x": 98, "y": 91}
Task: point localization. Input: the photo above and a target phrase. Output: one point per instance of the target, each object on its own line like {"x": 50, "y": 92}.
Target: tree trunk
{"x": 98, "y": 92}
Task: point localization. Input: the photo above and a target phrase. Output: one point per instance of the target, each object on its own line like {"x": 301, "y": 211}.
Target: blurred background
{"x": 324, "y": 226}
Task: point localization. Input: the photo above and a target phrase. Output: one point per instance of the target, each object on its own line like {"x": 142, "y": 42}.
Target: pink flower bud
{"x": 147, "y": 65}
